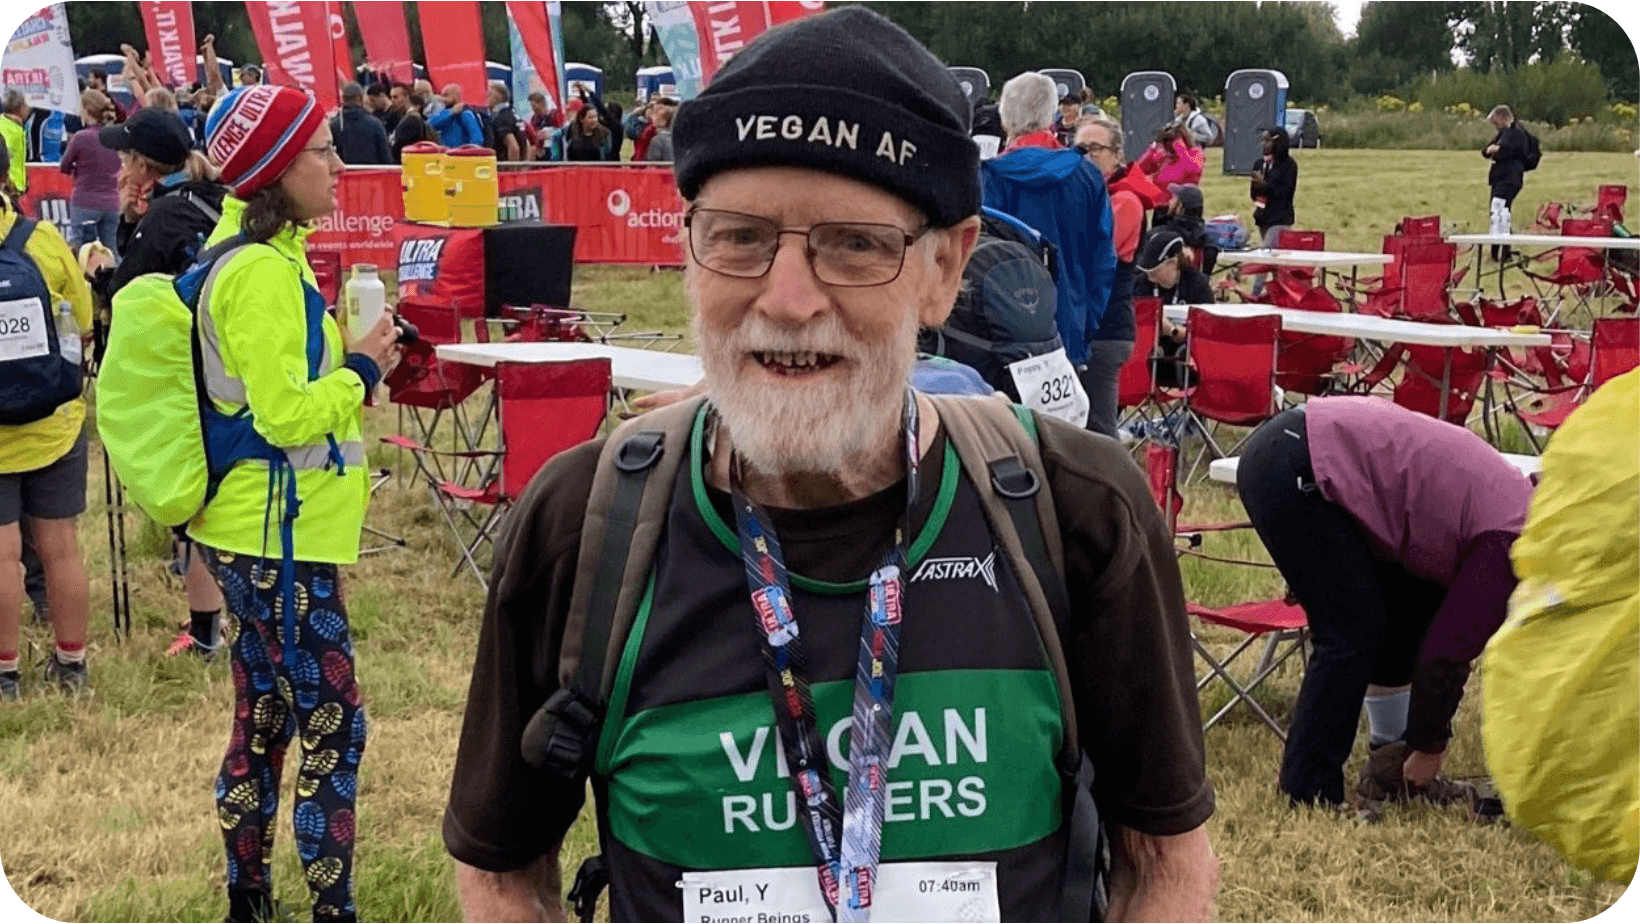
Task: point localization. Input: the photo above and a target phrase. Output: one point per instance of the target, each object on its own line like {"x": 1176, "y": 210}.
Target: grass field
{"x": 107, "y": 800}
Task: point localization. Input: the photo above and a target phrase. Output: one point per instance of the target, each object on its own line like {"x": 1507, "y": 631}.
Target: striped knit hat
{"x": 254, "y": 133}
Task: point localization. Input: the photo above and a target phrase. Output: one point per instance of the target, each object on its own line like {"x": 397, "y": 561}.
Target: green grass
{"x": 107, "y": 801}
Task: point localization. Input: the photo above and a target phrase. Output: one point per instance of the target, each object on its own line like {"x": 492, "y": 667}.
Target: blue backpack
{"x": 35, "y": 377}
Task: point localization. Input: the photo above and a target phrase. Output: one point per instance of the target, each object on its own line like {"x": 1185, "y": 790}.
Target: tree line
{"x": 1200, "y": 44}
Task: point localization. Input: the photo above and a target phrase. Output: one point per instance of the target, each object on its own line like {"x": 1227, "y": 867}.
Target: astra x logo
{"x": 951, "y": 569}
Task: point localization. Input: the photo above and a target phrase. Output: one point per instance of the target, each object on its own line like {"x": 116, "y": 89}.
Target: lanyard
{"x": 845, "y": 862}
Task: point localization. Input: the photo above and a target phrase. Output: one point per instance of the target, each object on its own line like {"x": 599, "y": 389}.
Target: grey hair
{"x": 1501, "y": 112}
{"x": 497, "y": 86}
{"x": 13, "y": 101}
{"x": 1027, "y": 103}
{"x": 1108, "y": 124}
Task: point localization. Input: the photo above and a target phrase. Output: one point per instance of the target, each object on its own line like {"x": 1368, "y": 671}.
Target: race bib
{"x": 23, "y": 329}
{"x": 1048, "y": 384}
{"x": 962, "y": 891}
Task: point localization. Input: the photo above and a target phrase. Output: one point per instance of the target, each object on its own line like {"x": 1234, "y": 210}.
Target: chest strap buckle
{"x": 558, "y": 737}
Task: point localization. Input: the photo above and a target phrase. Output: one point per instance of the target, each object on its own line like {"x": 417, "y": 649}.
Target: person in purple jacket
{"x": 1393, "y": 530}
{"x": 94, "y": 205}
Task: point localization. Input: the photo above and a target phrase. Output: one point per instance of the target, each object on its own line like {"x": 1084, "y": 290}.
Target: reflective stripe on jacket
{"x": 254, "y": 342}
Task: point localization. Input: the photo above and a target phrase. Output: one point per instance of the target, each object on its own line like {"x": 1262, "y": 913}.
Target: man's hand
{"x": 1489, "y": 150}
{"x": 533, "y": 893}
{"x": 1160, "y": 878}
{"x": 659, "y": 399}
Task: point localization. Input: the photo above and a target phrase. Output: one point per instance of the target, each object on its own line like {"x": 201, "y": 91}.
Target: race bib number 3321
{"x": 23, "y": 329}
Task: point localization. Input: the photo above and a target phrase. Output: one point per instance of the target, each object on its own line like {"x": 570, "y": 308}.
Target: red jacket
{"x": 1042, "y": 139}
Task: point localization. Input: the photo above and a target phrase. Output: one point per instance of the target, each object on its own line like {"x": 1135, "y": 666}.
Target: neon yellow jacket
{"x": 16, "y": 138}
{"x": 257, "y": 305}
{"x": 1560, "y": 715}
{"x": 31, "y": 446}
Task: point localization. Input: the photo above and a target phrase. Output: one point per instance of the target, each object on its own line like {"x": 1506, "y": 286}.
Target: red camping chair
{"x": 1609, "y": 202}
{"x": 1305, "y": 362}
{"x": 1427, "y": 278}
{"x": 422, "y": 382}
{"x": 1136, "y": 387}
{"x": 544, "y": 408}
{"x": 1420, "y": 386}
{"x": 1429, "y": 225}
{"x": 1282, "y": 625}
{"x": 1613, "y": 349}
{"x": 1235, "y": 364}
{"x": 1579, "y": 272}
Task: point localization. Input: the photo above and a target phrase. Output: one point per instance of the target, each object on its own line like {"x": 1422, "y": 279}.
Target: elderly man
{"x": 1509, "y": 152}
{"x": 822, "y": 228}
{"x": 1060, "y": 194}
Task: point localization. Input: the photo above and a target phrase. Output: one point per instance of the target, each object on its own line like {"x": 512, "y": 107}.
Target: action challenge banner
{"x": 627, "y": 214}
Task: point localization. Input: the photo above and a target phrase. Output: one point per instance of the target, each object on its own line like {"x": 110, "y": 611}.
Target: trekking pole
{"x": 123, "y": 612}
{"x": 113, "y": 563}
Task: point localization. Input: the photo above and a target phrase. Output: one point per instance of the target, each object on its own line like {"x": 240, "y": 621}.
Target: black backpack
{"x": 1534, "y": 151}
{"x": 1005, "y": 311}
{"x": 36, "y": 377}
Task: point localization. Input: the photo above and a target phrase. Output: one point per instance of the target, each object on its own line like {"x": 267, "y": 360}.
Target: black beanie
{"x": 847, "y": 92}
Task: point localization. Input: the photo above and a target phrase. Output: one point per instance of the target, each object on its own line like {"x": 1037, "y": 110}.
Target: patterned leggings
{"x": 315, "y": 695}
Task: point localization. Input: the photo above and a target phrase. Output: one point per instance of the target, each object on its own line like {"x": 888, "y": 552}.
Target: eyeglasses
{"x": 841, "y": 253}
{"x": 1088, "y": 147}
{"x": 326, "y": 152}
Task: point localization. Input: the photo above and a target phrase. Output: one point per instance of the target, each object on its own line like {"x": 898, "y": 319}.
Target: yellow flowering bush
{"x": 1389, "y": 103}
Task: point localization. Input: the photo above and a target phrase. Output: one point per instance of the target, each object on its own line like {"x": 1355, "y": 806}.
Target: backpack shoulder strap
{"x": 996, "y": 442}
{"x": 626, "y": 513}
{"x": 18, "y": 237}
{"x": 205, "y": 208}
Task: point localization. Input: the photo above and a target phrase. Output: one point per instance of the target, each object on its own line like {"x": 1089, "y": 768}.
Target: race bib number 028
{"x": 23, "y": 329}
{"x": 961, "y": 891}
{"x": 1048, "y": 385}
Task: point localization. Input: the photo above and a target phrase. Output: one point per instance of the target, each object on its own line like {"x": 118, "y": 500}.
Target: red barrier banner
{"x": 386, "y": 40}
{"x": 170, "y": 28}
{"x": 625, "y": 214}
{"x": 454, "y": 41}
{"x": 296, "y": 47}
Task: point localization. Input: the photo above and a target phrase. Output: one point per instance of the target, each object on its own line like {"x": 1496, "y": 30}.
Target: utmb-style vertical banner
{"x": 39, "y": 61}
{"x": 170, "y": 28}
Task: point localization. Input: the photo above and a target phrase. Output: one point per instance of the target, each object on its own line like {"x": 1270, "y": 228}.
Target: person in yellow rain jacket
{"x": 1560, "y": 719}
{"x": 276, "y": 531}
{"x": 42, "y": 455}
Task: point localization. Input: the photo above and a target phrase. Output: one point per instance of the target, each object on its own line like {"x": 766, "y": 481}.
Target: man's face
{"x": 803, "y": 373}
{"x": 398, "y": 100}
{"x": 96, "y": 83}
{"x": 1069, "y": 112}
{"x": 249, "y": 77}
{"x": 1102, "y": 148}
{"x": 538, "y": 106}
{"x": 493, "y": 98}
{"x": 1180, "y": 107}
{"x": 375, "y": 101}
{"x": 451, "y": 95}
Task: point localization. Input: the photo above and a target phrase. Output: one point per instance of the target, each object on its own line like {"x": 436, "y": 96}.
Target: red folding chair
{"x": 1425, "y": 368}
{"x": 1580, "y": 272}
{"x": 1136, "y": 388}
{"x": 1429, "y": 225}
{"x": 1235, "y": 364}
{"x": 426, "y": 388}
{"x": 1609, "y": 202}
{"x": 1305, "y": 363}
{"x": 1572, "y": 375}
{"x": 544, "y": 408}
{"x": 1427, "y": 277}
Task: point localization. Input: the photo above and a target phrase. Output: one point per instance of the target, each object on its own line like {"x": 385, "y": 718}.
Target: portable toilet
{"x": 1066, "y": 82}
{"x": 1254, "y": 100}
{"x": 656, "y": 80}
{"x": 975, "y": 83}
{"x": 495, "y": 70}
{"x": 586, "y": 74}
{"x": 1147, "y": 105}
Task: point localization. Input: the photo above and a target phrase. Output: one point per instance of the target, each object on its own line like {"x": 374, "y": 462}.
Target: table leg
{"x": 1446, "y": 381}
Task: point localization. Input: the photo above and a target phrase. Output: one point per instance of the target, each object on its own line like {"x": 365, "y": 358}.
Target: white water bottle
{"x": 68, "y": 333}
{"x": 364, "y": 298}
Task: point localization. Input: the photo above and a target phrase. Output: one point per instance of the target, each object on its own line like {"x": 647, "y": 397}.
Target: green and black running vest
{"x": 688, "y": 771}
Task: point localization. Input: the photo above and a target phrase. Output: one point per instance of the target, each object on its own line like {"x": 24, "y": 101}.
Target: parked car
{"x": 1302, "y": 129}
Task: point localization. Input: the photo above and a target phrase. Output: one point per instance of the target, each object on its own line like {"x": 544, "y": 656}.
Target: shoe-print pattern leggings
{"x": 315, "y": 696}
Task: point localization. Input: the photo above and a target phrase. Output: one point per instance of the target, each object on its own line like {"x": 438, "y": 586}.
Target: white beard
{"x": 803, "y": 426}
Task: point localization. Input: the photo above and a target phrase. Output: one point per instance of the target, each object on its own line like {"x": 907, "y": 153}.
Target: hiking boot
{"x": 70, "y": 677}
{"x": 9, "y": 681}
{"x": 1442, "y": 791}
{"x": 1381, "y": 779}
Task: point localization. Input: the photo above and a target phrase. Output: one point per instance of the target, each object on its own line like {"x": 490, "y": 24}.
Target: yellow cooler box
{"x": 471, "y": 186}
{"x": 423, "y": 182}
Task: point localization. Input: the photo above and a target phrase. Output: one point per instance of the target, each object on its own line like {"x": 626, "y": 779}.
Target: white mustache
{"x": 758, "y": 335}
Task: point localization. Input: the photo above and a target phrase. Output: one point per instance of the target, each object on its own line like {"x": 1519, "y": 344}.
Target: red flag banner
{"x": 170, "y": 28}
{"x": 386, "y": 40}
{"x": 342, "y": 53}
{"x": 530, "y": 18}
{"x": 296, "y": 46}
{"x": 454, "y": 41}
{"x": 726, "y": 27}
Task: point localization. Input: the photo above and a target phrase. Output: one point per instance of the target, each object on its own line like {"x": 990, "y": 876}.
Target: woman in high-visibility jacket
{"x": 279, "y": 526}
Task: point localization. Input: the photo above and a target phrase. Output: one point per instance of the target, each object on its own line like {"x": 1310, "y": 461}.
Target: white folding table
{"x": 1224, "y": 470}
{"x": 1547, "y": 241}
{"x": 641, "y": 370}
{"x": 1319, "y": 259}
{"x": 1448, "y": 337}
